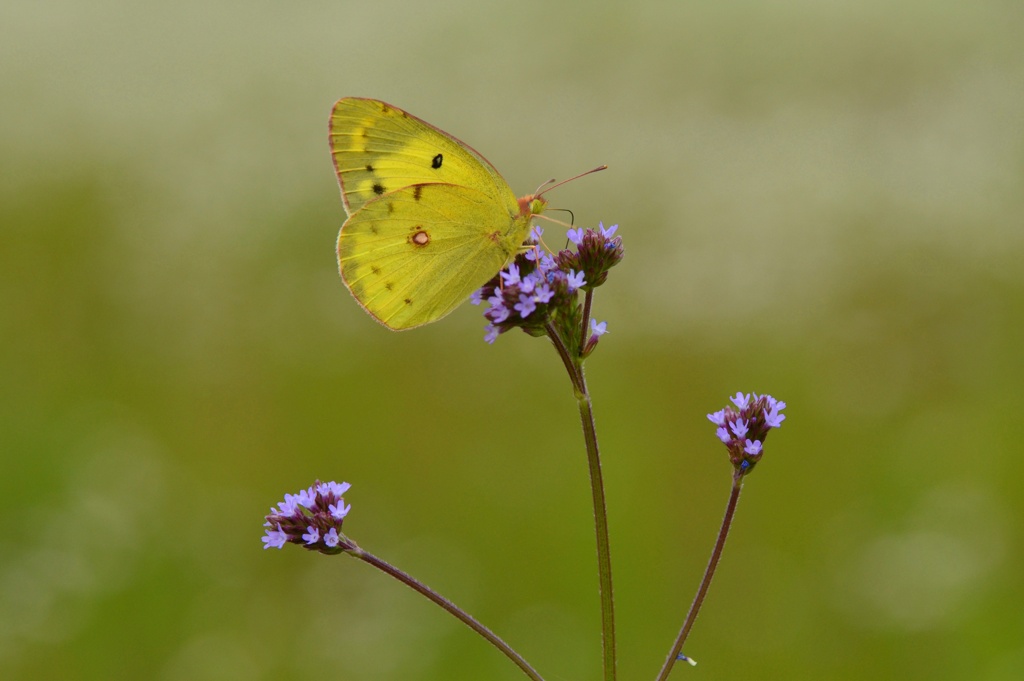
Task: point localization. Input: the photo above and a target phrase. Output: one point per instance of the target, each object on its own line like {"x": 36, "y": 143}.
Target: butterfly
{"x": 430, "y": 220}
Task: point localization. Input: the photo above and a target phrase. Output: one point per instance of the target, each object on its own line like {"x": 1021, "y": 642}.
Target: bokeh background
{"x": 822, "y": 201}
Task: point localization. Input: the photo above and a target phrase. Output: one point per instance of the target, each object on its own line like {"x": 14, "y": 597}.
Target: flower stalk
{"x": 742, "y": 429}
{"x": 538, "y": 293}
{"x": 709, "y": 572}
{"x": 604, "y": 553}
{"x": 451, "y": 608}
{"x": 574, "y": 366}
{"x": 313, "y": 519}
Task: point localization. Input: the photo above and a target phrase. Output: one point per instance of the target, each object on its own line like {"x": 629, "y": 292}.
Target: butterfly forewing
{"x": 379, "y": 148}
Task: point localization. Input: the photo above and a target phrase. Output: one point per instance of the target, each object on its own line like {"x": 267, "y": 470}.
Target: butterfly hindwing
{"x": 412, "y": 255}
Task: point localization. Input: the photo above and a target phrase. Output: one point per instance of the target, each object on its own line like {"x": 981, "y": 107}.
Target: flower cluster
{"x": 744, "y": 428}
{"x": 312, "y": 518}
{"x": 539, "y": 288}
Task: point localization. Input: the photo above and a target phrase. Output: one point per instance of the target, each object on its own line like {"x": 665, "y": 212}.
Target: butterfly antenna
{"x": 542, "y": 185}
{"x": 594, "y": 170}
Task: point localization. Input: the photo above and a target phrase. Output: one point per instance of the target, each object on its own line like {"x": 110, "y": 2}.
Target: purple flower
{"x": 740, "y": 400}
{"x": 339, "y": 510}
{"x": 312, "y": 535}
{"x": 744, "y": 427}
{"x": 543, "y": 294}
{"x": 525, "y": 306}
{"x": 772, "y": 417}
{"x": 307, "y": 497}
{"x": 477, "y": 297}
{"x": 312, "y": 519}
{"x": 498, "y": 312}
{"x": 331, "y": 539}
{"x": 288, "y": 506}
{"x": 537, "y": 291}
{"x": 275, "y": 538}
{"x": 511, "y": 277}
{"x": 335, "y": 488}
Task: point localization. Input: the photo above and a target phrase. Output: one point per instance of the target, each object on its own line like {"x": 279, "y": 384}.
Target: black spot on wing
{"x": 378, "y": 188}
{"x": 408, "y": 301}
{"x": 375, "y": 269}
{"x": 369, "y": 168}
{"x": 417, "y": 190}
{"x": 436, "y": 163}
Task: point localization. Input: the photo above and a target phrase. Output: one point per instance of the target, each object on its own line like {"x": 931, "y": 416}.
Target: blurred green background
{"x": 822, "y": 201}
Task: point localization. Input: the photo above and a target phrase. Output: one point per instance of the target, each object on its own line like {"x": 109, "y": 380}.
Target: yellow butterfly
{"x": 430, "y": 220}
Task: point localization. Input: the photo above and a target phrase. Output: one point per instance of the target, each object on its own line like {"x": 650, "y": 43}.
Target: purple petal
{"x": 339, "y": 510}
{"x": 512, "y": 276}
{"x": 331, "y": 538}
{"x": 312, "y": 535}
{"x": 275, "y": 538}
{"x": 740, "y": 400}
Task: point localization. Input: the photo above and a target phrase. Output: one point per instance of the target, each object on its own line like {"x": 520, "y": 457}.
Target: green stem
{"x": 455, "y": 610}
{"x": 588, "y": 300}
{"x": 709, "y": 572}
{"x": 604, "y": 555}
{"x": 575, "y": 372}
